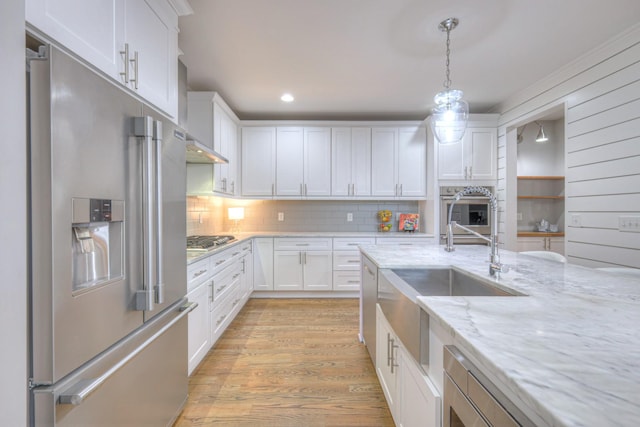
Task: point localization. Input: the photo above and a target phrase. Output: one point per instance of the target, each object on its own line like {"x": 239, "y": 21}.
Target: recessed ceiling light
{"x": 287, "y": 97}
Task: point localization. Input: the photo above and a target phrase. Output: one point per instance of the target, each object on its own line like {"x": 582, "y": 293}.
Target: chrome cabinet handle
{"x": 389, "y": 356}
{"x": 305, "y": 189}
{"x": 135, "y": 70}
{"x": 393, "y": 357}
{"x": 221, "y": 319}
{"x": 221, "y": 288}
{"x": 125, "y": 54}
{"x": 199, "y": 273}
{"x": 220, "y": 262}
{"x": 211, "y": 287}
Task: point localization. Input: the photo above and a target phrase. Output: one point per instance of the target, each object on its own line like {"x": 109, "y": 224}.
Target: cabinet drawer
{"x": 221, "y": 315}
{"x": 351, "y": 243}
{"x": 302, "y": 244}
{"x": 198, "y": 272}
{"x": 346, "y": 280}
{"x": 224, "y": 281}
{"x": 346, "y": 260}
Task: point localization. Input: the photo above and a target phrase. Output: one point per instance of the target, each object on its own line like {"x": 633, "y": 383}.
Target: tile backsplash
{"x": 208, "y": 215}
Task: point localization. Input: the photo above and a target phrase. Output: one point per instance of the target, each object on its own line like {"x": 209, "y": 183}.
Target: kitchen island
{"x": 567, "y": 353}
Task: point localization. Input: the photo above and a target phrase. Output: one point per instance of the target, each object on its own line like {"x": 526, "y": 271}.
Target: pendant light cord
{"x": 447, "y": 82}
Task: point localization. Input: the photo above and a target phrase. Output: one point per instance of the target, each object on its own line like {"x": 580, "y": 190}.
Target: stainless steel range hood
{"x": 200, "y": 153}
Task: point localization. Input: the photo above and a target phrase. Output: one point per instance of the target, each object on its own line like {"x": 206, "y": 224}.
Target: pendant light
{"x": 450, "y": 115}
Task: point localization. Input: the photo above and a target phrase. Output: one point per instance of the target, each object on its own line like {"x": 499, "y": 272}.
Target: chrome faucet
{"x": 494, "y": 260}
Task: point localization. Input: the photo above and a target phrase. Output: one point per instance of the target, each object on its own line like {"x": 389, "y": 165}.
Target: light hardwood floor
{"x": 288, "y": 362}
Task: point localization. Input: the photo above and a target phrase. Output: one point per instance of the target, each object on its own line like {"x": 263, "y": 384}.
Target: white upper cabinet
{"x": 215, "y": 125}
{"x": 399, "y": 161}
{"x": 258, "y": 161}
{"x": 412, "y": 162}
{"x": 384, "y": 162}
{"x": 134, "y": 42}
{"x": 473, "y": 158}
{"x": 290, "y": 167}
{"x": 317, "y": 162}
{"x": 303, "y": 160}
{"x": 151, "y": 34}
{"x": 351, "y": 162}
{"x": 89, "y": 29}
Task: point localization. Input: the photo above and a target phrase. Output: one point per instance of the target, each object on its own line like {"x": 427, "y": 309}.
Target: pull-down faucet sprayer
{"x": 494, "y": 260}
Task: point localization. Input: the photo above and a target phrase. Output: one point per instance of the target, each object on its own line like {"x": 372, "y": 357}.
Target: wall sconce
{"x": 236, "y": 214}
{"x": 541, "y": 137}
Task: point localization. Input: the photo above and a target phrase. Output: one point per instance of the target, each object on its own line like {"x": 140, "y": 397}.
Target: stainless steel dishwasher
{"x": 368, "y": 301}
{"x": 471, "y": 400}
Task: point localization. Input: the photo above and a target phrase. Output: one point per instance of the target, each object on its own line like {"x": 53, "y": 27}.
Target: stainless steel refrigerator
{"x": 108, "y": 330}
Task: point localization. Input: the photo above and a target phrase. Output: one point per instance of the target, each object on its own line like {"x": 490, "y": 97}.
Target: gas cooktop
{"x": 207, "y": 243}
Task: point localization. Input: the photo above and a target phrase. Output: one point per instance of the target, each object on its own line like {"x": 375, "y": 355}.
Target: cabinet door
{"x": 151, "y": 30}
{"x": 341, "y": 170}
{"x": 91, "y": 30}
{"x": 225, "y": 143}
{"x": 289, "y": 162}
{"x": 231, "y": 133}
{"x": 451, "y": 161}
{"x": 386, "y": 360}
{"x": 317, "y": 271}
{"x": 198, "y": 329}
{"x": 361, "y": 161}
{"x": 317, "y": 162}
{"x": 418, "y": 400}
{"x": 263, "y": 264}
{"x": 412, "y": 162}
{"x": 384, "y": 162}
{"x": 531, "y": 244}
{"x": 287, "y": 271}
{"x": 556, "y": 244}
{"x": 258, "y": 161}
{"x": 482, "y": 153}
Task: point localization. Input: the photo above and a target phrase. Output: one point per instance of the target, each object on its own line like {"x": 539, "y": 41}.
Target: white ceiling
{"x": 384, "y": 59}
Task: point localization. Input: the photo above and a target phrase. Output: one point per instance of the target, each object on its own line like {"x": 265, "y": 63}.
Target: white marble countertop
{"x": 241, "y": 237}
{"x": 569, "y": 350}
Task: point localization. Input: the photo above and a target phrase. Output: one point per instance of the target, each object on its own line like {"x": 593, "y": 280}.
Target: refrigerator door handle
{"x": 159, "y": 287}
{"x": 143, "y": 129}
{"x": 80, "y": 391}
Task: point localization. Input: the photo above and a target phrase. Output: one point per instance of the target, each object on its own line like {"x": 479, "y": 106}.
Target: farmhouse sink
{"x": 448, "y": 282}
{"x": 399, "y": 288}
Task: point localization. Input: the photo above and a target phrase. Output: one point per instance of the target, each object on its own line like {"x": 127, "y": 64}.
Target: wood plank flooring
{"x": 288, "y": 362}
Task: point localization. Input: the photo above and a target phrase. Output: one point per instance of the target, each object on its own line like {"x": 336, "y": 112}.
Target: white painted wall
{"x": 13, "y": 288}
{"x": 602, "y": 94}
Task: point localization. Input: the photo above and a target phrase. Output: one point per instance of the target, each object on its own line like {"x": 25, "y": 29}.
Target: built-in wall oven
{"x": 471, "y": 400}
{"x": 472, "y": 211}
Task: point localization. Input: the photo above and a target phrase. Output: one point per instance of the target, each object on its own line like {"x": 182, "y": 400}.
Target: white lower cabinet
{"x": 302, "y": 270}
{"x": 418, "y": 400}
{"x": 198, "y": 331}
{"x": 220, "y": 284}
{"x": 552, "y": 244}
{"x": 412, "y": 398}
{"x": 386, "y": 360}
{"x": 302, "y": 264}
{"x": 346, "y": 262}
{"x": 263, "y": 264}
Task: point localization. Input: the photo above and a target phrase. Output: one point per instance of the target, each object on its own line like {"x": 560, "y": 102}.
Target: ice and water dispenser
{"x": 97, "y": 242}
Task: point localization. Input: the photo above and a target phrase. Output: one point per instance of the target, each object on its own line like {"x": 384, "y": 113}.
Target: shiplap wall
{"x": 602, "y": 96}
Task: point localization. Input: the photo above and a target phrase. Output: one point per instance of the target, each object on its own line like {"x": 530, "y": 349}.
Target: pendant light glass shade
{"x": 451, "y": 113}
{"x": 449, "y": 117}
